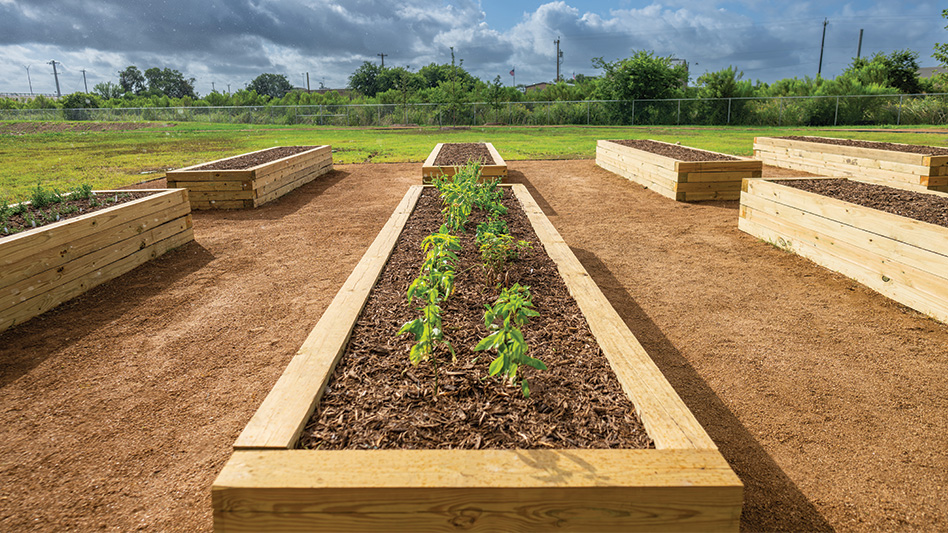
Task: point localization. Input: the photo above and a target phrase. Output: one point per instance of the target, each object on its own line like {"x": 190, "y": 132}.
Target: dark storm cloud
{"x": 234, "y": 41}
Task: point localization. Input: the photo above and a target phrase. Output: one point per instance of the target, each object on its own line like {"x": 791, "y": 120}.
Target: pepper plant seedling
{"x": 514, "y": 308}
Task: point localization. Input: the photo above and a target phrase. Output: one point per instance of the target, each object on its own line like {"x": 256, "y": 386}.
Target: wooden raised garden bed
{"x": 902, "y": 258}
{"x": 924, "y": 168}
{"x": 251, "y": 180}
{"x": 439, "y": 163}
{"x": 677, "y": 172}
{"x": 682, "y": 484}
{"x": 46, "y": 266}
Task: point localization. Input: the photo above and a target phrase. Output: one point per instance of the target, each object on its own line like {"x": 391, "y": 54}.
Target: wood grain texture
{"x": 909, "y": 171}
{"x": 904, "y": 259}
{"x": 477, "y": 490}
{"x": 52, "y": 264}
{"x": 252, "y": 187}
{"x": 678, "y": 180}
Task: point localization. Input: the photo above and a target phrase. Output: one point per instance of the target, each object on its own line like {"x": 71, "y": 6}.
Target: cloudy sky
{"x": 229, "y": 42}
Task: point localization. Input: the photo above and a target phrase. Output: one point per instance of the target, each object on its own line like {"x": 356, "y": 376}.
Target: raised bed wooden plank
{"x": 858, "y": 163}
{"x": 47, "y": 266}
{"x": 429, "y": 170}
{"x": 258, "y": 184}
{"x": 904, "y": 259}
{"x": 675, "y": 179}
{"x": 683, "y": 485}
{"x": 280, "y": 419}
{"x": 483, "y": 490}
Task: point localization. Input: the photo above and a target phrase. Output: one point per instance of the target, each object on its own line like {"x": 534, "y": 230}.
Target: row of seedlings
{"x": 461, "y": 194}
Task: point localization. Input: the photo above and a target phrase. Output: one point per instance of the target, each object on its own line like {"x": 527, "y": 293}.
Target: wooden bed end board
{"x": 430, "y": 170}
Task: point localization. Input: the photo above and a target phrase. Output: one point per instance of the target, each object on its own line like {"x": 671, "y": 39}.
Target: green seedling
{"x": 513, "y": 309}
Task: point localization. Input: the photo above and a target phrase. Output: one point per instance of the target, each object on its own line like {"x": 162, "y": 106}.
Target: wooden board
{"x": 429, "y": 171}
{"x": 254, "y": 186}
{"x": 684, "y": 484}
{"x": 904, "y": 259}
{"x": 678, "y": 180}
{"x": 49, "y": 265}
{"x": 911, "y": 171}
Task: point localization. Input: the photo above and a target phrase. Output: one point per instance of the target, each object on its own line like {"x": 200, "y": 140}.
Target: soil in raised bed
{"x": 458, "y": 154}
{"x": 876, "y": 145}
{"x": 256, "y": 158}
{"x": 376, "y": 399}
{"x": 13, "y": 224}
{"x": 674, "y": 151}
{"x": 915, "y": 205}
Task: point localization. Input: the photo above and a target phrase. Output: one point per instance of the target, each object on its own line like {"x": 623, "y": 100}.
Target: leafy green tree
{"x": 80, "y": 101}
{"x": 642, "y": 76}
{"x": 725, "y": 83}
{"x": 272, "y": 85}
{"x": 132, "y": 80}
{"x": 365, "y": 79}
{"x": 898, "y": 69}
{"x": 170, "y": 83}
{"x": 108, "y": 90}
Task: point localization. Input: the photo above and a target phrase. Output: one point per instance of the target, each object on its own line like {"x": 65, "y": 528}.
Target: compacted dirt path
{"x": 118, "y": 409}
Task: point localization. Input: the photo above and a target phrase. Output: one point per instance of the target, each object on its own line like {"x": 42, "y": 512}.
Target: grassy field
{"x": 104, "y": 159}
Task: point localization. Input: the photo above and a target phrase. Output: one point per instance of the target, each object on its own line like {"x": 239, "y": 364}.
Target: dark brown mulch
{"x": 892, "y": 147}
{"x": 915, "y": 205}
{"x": 457, "y": 154}
{"x": 13, "y": 224}
{"x": 26, "y": 128}
{"x": 675, "y": 151}
{"x": 376, "y": 399}
{"x": 256, "y": 158}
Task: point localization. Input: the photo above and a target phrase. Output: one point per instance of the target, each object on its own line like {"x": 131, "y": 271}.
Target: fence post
{"x": 633, "y": 112}
{"x": 836, "y": 116}
{"x": 898, "y": 121}
{"x": 678, "y": 122}
{"x": 378, "y": 107}
{"x": 587, "y": 112}
{"x": 474, "y": 123}
{"x": 729, "y": 110}
{"x": 780, "y": 120}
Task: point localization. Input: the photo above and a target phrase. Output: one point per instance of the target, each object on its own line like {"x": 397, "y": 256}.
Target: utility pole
{"x": 383, "y": 59}
{"x": 228, "y": 88}
{"x": 212, "y": 87}
{"x": 53, "y": 62}
{"x": 28, "y": 78}
{"x": 859, "y": 48}
{"x": 307, "y": 82}
{"x": 819, "y": 69}
{"x": 559, "y": 55}
{"x": 84, "y": 83}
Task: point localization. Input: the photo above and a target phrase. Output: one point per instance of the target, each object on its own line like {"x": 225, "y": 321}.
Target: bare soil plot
{"x": 118, "y": 409}
{"x": 24, "y": 128}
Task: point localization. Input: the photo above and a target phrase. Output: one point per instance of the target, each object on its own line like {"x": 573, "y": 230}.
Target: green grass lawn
{"x": 112, "y": 159}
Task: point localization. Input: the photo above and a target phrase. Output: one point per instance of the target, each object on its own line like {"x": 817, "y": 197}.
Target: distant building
{"x": 928, "y": 72}
{"x": 26, "y": 97}
{"x": 536, "y": 86}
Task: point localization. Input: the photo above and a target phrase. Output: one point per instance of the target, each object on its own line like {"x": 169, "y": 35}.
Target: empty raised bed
{"x": 900, "y": 257}
{"x": 252, "y": 179}
{"x": 678, "y": 172}
{"x": 48, "y": 265}
{"x": 447, "y": 158}
{"x": 682, "y": 484}
{"x": 904, "y": 165}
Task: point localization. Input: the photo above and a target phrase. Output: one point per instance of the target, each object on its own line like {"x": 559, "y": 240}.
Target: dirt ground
{"x": 24, "y": 128}
{"x": 118, "y": 408}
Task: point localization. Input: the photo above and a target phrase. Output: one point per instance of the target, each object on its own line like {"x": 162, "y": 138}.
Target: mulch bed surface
{"x": 26, "y": 128}
{"x": 256, "y": 158}
{"x": 376, "y": 399}
{"x": 681, "y": 153}
{"x": 915, "y": 205}
{"x": 892, "y": 147}
{"x": 17, "y": 223}
{"x": 457, "y": 154}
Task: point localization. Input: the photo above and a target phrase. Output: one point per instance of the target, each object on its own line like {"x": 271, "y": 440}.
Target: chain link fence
{"x": 929, "y": 109}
